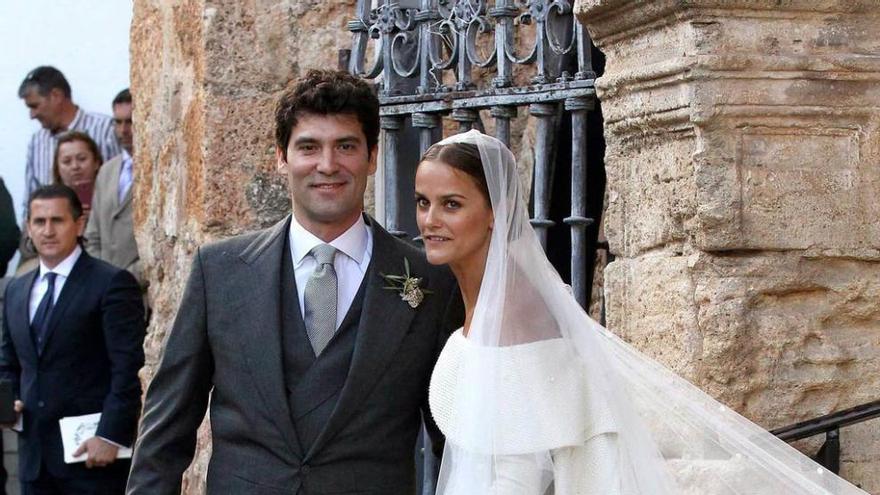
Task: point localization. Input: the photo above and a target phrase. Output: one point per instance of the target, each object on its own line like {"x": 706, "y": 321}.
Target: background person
{"x": 47, "y": 95}
{"x": 76, "y": 163}
{"x": 72, "y": 344}
{"x": 110, "y": 230}
{"x": 9, "y": 237}
{"x": 9, "y": 233}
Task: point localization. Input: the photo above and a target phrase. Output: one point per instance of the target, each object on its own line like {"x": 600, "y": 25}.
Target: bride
{"x": 536, "y": 398}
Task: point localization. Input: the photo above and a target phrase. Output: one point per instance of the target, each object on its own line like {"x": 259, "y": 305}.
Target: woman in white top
{"x": 536, "y": 398}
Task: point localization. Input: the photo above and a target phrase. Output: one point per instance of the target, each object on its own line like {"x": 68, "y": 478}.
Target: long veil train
{"x": 670, "y": 437}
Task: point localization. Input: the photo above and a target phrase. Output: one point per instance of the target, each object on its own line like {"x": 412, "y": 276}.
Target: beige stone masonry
{"x": 743, "y": 163}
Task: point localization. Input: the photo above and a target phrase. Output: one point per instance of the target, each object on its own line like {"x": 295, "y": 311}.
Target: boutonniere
{"x": 406, "y": 285}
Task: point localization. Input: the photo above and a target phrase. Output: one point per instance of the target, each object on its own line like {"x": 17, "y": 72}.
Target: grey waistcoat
{"x": 313, "y": 385}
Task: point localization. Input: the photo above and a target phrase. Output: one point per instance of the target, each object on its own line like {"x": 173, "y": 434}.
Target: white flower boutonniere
{"x": 407, "y": 286}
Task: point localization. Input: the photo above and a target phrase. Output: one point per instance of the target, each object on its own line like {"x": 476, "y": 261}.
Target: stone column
{"x": 205, "y": 75}
{"x": 743, "y": 162}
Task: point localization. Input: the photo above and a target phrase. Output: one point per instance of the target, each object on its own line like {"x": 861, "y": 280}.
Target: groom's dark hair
{"x": 326, "y": 92}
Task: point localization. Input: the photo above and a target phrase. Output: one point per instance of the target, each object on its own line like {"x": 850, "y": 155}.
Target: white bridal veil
{"x": 538, "y": 378}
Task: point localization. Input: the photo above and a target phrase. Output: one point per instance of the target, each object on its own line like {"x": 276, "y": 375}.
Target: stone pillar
{"x": 743, "y": 162}
{"x": 205, "y": 75}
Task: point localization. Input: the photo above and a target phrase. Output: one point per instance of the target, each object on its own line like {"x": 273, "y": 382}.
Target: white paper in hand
{"x": 77, "y": 429}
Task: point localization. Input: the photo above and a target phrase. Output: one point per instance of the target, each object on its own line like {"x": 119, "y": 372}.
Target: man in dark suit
{"x": 72, "y": 345}
{"x": 317, "y": 374}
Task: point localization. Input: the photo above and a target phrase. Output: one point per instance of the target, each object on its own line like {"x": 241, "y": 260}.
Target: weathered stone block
{"x": 792, "y": 202}
{"x": 651, "y": 193}
{"x": 650, "y": 305}
{"x": 743, "y": 182}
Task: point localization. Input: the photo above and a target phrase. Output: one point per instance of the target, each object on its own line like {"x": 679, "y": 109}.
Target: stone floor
{"x": 10, "y": 461}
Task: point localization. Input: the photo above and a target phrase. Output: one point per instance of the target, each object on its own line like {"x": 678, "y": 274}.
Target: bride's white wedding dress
{"x": 581, "y": 434}
{"x": 538, "y": 398}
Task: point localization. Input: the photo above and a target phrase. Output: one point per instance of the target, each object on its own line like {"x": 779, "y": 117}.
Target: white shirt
{"x": 354, "y": 248}
{"x": 125, "y": 176}
{"x": 41, "y": 283}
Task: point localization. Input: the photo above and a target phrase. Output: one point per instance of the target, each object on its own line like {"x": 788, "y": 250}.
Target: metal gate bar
{"x": 442, "y": 44}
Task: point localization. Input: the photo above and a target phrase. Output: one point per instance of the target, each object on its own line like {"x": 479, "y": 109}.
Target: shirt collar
{"x": 353, "y": 242}
{"x": 126, "y": 158}
{"x": 73, "y": 123}
{"x": 65, "y": 267}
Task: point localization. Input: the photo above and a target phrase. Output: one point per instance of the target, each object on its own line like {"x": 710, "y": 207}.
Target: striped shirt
{"x": 41, "y": 148}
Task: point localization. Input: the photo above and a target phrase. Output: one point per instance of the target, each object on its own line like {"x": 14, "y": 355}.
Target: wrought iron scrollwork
{"x": 464, "y": 56}
{"x": 425, "y": 38}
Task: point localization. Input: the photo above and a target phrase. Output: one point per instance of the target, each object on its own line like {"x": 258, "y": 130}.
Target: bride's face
{"x": 453, "y": 214}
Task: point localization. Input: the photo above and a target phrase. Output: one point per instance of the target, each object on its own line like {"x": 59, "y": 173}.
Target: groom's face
{"x": 327, "y": 165}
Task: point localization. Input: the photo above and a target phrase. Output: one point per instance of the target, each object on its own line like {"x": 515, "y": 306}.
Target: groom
{"x": 316, "y": 373}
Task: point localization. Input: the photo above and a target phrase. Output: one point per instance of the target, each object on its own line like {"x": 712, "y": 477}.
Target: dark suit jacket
{"x": 226, "y": 345}
{"x": 9, "y": 233}
{"x": 89, "y": 363}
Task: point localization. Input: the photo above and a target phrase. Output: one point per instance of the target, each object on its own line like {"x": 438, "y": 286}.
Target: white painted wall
{"x": 86, "y": 40}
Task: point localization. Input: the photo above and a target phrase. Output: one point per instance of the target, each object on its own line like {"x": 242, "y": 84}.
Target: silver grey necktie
{"x": 320, "y": 299}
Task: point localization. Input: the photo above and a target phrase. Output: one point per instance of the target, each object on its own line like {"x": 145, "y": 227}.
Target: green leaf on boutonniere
{"x": 406, "y": 285}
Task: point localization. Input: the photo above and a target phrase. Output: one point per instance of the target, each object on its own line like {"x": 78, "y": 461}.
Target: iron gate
{"x": 459, "y": 64}
{"x": 424, "y": 55}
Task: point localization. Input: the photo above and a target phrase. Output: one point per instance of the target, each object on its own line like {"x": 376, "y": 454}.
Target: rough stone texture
{"x": 205, "y": 75}
{"x": 743, "y": 163}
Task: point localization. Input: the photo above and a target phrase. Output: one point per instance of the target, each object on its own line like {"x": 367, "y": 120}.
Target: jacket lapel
{"x": 384, "y": 322}
{"x": 72, "y": 286}
{"x": 260, "y": 310}
{"x": 19, "y": 320}
{"x": 125, "y": 201}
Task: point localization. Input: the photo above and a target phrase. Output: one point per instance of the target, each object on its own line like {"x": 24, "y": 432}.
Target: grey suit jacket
{"x": 225, "y": 346}
{"x": 110, "y": 231}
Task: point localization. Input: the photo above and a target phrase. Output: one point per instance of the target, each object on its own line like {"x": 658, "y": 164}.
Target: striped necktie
{"x": 320, "y": 299}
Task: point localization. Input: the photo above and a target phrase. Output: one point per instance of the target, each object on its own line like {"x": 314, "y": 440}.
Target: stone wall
{"x": 743, "y": 162}
{"x": 205, "y": 75}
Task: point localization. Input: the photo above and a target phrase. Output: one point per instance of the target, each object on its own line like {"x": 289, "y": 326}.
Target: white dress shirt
{"x": 41, "y": 283}
{"x": 354, "y": 248}
{"x": 125, "y": 176}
